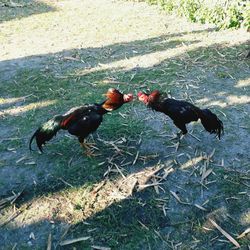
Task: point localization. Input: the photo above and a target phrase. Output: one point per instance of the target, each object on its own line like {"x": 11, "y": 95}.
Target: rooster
{"x": 80, "y": 121}
{"x": 182, "y": 112}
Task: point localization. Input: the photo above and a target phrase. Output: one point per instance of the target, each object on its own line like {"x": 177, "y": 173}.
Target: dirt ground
{"x": 55, "y": 55}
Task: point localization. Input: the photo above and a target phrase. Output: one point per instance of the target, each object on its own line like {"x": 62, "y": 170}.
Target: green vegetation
{"x": 223, "y": 13}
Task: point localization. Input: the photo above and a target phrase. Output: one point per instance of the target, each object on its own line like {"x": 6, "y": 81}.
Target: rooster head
{"x": 143, "y": 97}
{"x": 116, "y": 99}
{"x": 147, "y": 98}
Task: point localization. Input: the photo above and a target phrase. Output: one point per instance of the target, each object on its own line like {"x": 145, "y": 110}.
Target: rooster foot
{"x": 90, "y": 153}
{"x": 89, "y": 148}
{"x": 178, "y": 137}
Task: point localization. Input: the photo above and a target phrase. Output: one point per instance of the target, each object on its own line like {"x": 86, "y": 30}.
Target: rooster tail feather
{"x": 31, "y": 140}
{"x": 211, "y": 123}
{"x": 46, "y": 132}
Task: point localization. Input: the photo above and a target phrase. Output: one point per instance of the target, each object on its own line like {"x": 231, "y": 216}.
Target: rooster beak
{"x": 128, "y": 97}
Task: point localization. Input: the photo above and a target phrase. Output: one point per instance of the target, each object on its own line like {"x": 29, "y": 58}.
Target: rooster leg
{"x": 182, "y": 127}
{"x": 89, "y": 148}
{"x": 180, "y": 135}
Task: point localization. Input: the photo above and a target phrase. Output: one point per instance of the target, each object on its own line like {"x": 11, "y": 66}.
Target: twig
{"x": 65, "y": 232}
{"x": 71, "y": 58}
{"x": 156, "y": 187}
{"x": 144, "y": 226}
{"x": 21, "y": 159}
{"x": 177, "y": 146}
{"x": 101, "y": 248}
{"x": 119, "y": 170}
{"x": 247, "y": 231}
{"x": 200, "y": 207}
{"x": 167, "y": 172}
{"x": 143, "y": 186}
{"x": 49, "y": 242}
{"x": 65, "y": 182}
{"x": 227, "y": 235}
{"x": 136, "y": 158}
{"x": 68, "y": 242}
{"x": 205, "y": 174}
{"x": 14, "y": 247}
{"x": 153, "y": 173}
{"x": 195, "y": 137}
{"x": 178, "y": 198}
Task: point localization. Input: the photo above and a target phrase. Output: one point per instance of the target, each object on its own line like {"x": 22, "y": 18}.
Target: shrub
{"x": 223, "y": 13}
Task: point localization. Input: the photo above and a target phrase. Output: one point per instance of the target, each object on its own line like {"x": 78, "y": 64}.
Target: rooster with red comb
{"x": 182, "y": 112}
{"x": 80, "y": 121}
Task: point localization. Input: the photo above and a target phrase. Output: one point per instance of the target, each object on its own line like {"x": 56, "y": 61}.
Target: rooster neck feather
{"x": 155, "y": 100}
{"x": 114, "y": 101}
{"x": 154, "y": 96}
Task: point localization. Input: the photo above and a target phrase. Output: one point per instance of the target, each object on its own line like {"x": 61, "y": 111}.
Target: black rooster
{"x": 182, "y": 112}
{"x": 80, "y": 121}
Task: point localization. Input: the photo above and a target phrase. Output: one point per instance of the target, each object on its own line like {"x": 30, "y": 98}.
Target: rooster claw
{"x": 178, "y": 137}
{"x": 89, "y": 149}
{"x": 90, "y": 153}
